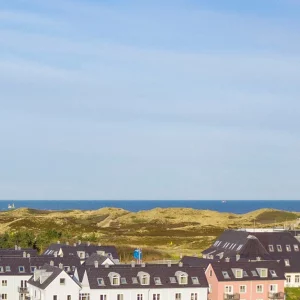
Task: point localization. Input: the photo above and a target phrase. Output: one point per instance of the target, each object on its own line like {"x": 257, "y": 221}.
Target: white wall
{"x": 13, "y": 282}
{"x": 292, "y": 283}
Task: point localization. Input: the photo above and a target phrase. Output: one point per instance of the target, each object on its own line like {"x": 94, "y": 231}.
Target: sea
{"x": 232, "y": 206}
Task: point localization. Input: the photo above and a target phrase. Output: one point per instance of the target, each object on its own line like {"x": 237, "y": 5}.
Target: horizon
{"x": 147, "y": 100}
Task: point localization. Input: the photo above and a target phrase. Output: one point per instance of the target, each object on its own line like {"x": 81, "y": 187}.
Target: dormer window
{"x": 263, "y": 273}
{"x": 157, "y": 280}
{"x": 195, "y": 280}
{"x": 225, "y": 274}
{"x": 296, "y": 248}
{"x": 32, "y": 269}
{"x": 1, "y": 269}
{"x": 183, "y": 279}
{"x": 286, "y": 262}
{"x": 114, "y": 278}
{"x": 238, "y": 273}
{"x": 134, "y": 280}
{"x": 288, "y": 248}
{"x": 7, "y": 269}
{"x": 67, "y": 268}
{"x": 21, "y": 269}
{"x": 100, "y": 281}
{"x": 271, "y": 248}
{"x": 144, "y": 278}
{"x": 279, "y": 249}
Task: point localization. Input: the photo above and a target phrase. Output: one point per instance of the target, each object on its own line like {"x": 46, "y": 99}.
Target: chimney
{"x": 132, "y": 264}
{"x": 169, "y": 263}
{"x": 99, "y": 244}
{"x": 55, "y": 254}
{"x": 61, "y": 266}
{"x": 58, "y": 242}
{"x": 143, "y": 265}
{"x": 227, "y": 259}
{"x": 19, "y": 248}
{"x": 106, "y": 265}
{"x": 24, "y": 254}
{"x": 180, "y": 255}
{"x": 180, "y": 264}
{"x": 75, "y": 244}
{"x": 16, "y": 247}
{"x": 96, "y": 264}
{"x": 237, "y": 257}
{"x": 88, "y": 243}
{"x": 52, "y": 263}
{"x": 195, "y": 255}
{"x": 79, "y": 242}
{"x": 28, "y": 255}
{"x": 258, "y": 258}
{"x": 67, "y": 243}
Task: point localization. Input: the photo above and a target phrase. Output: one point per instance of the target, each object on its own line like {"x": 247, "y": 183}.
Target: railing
{"x": 279, "y": 295}
{"x": 23, "y": 290}
{"x": 231, "y": 296}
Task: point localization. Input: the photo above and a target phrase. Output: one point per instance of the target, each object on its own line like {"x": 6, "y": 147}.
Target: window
{"x": 178, "y": 296}
{"x": 115, "y": 280}
{"x": 273, "y": 288}
{"x": 120, "y": 297}
{"x": 55, "y": 297}
{"x": 297, "y": 278}
{"x": 139, "y": 297}
{"x": 172, "y": 279}
{"x": 195, "y": 280}
{"x": 32, "y": 269}
{"x": 67, "y": 268}
{"x": 4, "y": 296}
{"x": 1, "y": 269}
{"x": 62, "y": 281}
{"x": 210, "y": 273}
{"x": 183, "y": 279}
{"x": 245, "y": 274}
{"x": 194, "y": 296}
{"x": 209, "y": 288}
{"x": 102, "y": 297}
{"x": 157, "y": 280}
{"x": 134, "y": 280}
{"x": 4, "y": 282}
{"x": 242, "y": 289}
{"x": 286, "y": 262}
{"x": 156, "y": 297}
{"x": 259, "y": 288}
{"x": 21, "y": 269}
{"x": 239, "y": 247}
{"x": 84, "y": 296}
{"x": 254, "y": 273}
{"x": 100, "y": 281}
{"x": 263, "y": 272}
{"x": 288, "y": 248}
{"x": 228, "y": 289}
{"x": 7, "y": 269}
{"x": 273, "y": 273}
{"x": 238, "y": 273}
{"x": 123, "y": 280}
{"x": 296, "y": 248}
{"x": 69, "y": 297}
{"x": 225, "y": 274}
{"x": 271, "y": 248}
{"x": 279, "y": 249}
{"x": 145, "y": 280}
{"x": 288, "y": 278}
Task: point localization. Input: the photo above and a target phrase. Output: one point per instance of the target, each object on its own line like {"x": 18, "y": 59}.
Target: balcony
{"x": 22, "y": 290}
{"x": 279, "y": 295}
{"x": 232, "y": 296}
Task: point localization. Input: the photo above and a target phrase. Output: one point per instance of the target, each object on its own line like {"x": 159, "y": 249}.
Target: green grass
{"x": 292, "y": 293}
{"x": 275, "y": 216}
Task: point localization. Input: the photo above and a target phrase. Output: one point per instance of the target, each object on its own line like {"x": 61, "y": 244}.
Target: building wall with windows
{"x": 13, "y": 287}
{"x": 292, "y": 279}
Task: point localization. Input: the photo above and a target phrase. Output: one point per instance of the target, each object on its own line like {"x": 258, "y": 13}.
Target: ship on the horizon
{"x": 224, "y": 201}
{"x": 11, "y": 206}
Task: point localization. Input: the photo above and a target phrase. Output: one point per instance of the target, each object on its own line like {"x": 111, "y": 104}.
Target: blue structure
{"x": 137, "y": 254}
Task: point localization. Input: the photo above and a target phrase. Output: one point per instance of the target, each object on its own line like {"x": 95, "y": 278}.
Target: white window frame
{"x": 288, "y": 248}
{"x": 194, "y": 296}
{"x": 287, "y": 263}
{"x": 4, "y": 282}
{"x": 275, "y": 290}
{"x": 177, "y": 296}
{"x": 288, "y": 278}
{"x": 103, "y": 297}
{"x": 243, "y": 292}
{"x": 120, "y": 296}
{"x": 271, "y": 248}
{"x": 296, "y": 247}
{"x": 139, "y": 296}
{"x": 156, "y": 297}
{"x": 279, "y": 248}
{"x": 297, "y": 278}
{"x": 228, "y": 289}
{"x": 262, "y": 288}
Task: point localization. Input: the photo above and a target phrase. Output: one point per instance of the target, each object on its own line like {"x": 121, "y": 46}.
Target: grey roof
{"x": 195, "y": 261}
{"x": 164, "y": 272}
{"x": 15, "y": 266}
{"x": 248, "y": 267}
{"x": 96, "y": 257}
{"x": 69, "y": 250}
{"x": 54, "y": 273}
{"x": 17, "y": 253}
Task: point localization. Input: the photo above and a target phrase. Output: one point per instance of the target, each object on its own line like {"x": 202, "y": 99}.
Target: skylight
{"x": 296, "y": 247}
{"x": 279, "y": 249}
{"x": 273, "y": 273}
{"x": 100, "y": 281}
{"x": 288, "y": 248}
{"x": 7, "y": 269}
{"x": 157, "y": 280}
{"x": 271, "y": 248}
{"x": 134, "y": 280}
{"x": 123, "y": 280}
{"x": 195, "y": 280}
{"x": 245, "y": 274}
{"x": 172, "y": 279}
{"x": 239, "y": 247}
{"x": 254, "y": 273}
{"x": 21, "y": 269}
{"x": 1, "y": 269}
{"x": 225, "y": 274}
{"x": 287, "y": 262}
{"x": 32, "y": 269}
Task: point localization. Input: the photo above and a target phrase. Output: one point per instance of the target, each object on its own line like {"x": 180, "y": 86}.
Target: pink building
{"x": 256, "y": 280}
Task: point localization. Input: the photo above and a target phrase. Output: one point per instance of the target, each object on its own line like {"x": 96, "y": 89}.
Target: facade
{"x": 245, "y": 281}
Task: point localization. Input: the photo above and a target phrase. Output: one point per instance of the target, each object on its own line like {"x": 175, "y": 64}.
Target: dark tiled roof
{"x": 17, "y": 253}
{"x": 164, "y": 272}
{"x": 54, "y": 273}
{"x": 248, "y": 267}
{"x": 15, "y": 266}
{"x": 195, "y": 261}
{"x": 96, "y": 257}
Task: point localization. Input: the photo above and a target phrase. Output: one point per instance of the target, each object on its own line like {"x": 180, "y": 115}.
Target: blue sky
{"x": 149, "y": 99}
